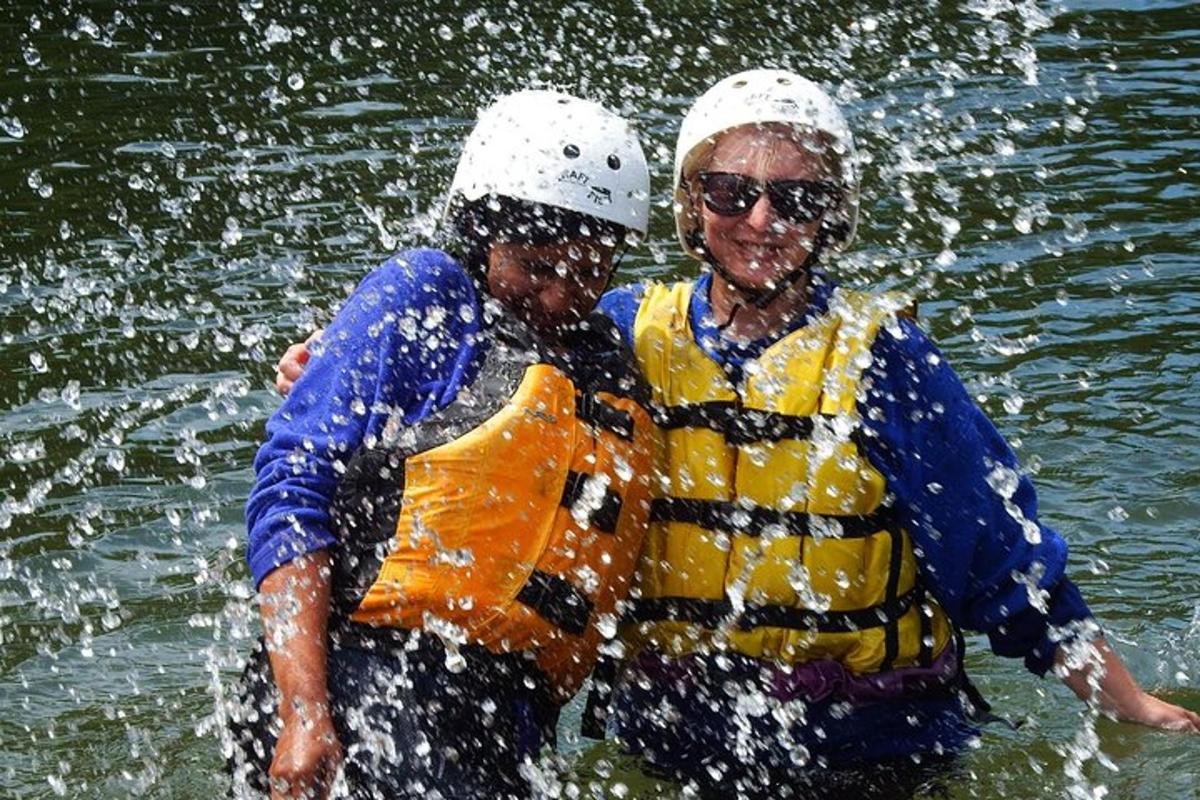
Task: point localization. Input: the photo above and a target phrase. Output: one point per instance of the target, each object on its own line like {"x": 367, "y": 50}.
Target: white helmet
{"x": 761, "y": 96}
{"x": 552, "y": 148}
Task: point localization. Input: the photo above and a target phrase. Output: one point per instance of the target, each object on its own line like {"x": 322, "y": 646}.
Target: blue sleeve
{"x": 401, "y": 344}
{"x": 621, "y": 306}
{"x": 971, "y": 512}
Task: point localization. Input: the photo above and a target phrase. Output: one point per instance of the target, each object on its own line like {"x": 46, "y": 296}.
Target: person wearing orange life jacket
{"x": 829, "y": 520}
{"x": 449, "y": 506}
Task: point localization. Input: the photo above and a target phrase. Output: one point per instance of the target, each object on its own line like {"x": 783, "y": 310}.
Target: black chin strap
{"x": 761, "y": 297}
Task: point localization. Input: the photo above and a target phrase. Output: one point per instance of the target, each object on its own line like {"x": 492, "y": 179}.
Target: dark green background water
{"x": 185, "y": 187}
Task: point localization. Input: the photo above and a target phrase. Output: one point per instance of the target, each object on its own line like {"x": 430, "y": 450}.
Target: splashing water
{"x": 188, "y": 188}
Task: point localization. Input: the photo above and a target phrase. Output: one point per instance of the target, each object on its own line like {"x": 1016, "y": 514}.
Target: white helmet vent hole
{"x": 571, "y": 151}
{"x": 784, "y": 81}
{"x": 613, "y": 161}
{"x": 740, "y": 84}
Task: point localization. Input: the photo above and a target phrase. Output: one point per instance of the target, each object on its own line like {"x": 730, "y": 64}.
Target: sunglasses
{"x": 797, "y": 201}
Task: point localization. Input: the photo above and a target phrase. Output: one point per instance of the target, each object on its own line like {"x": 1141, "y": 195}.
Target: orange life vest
{"x": 513, "y": 519}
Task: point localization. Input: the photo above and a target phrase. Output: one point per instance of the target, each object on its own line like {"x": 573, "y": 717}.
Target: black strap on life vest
{"x": 925, "y": 618}
{"x": 599, "y": 414}
{"x": 739, "y": 425}
{"x": 725, "y": 515}
{"x": 891, "y": 631}
{"x": 594, "y": 722}
{"x": 716, "y": 614}
{"x": 604, "y": 518}
{"x": 977, "y": 709}
{"x": 557, "y": 601}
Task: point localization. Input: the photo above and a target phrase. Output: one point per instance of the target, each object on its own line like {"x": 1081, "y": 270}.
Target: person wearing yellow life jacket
{"x": 834, "y": 506}
{"x": 450, "y": 504}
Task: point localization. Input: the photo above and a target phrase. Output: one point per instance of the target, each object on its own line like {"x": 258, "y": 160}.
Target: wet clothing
{"x": 404, "y": 344}
{"x": 955, "y": 487}
{"x": 513, "y": 517}
{"x": 467, "y": 480}
{"x": 408, "y": 726}
{"x": 772, "y": 536}
{"x": 717, "y": 725}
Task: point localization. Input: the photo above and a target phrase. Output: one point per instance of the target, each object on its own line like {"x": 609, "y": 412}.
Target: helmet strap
{"x": 762, "y": 296}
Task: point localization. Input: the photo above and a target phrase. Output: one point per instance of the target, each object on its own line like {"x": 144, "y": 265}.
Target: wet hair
{"x": 475, "y": 226}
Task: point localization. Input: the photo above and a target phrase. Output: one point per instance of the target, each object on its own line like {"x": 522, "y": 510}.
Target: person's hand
{"x": 307, "y": 755}
{"x": 1146, "y": 709}
{"x": 1094, "y": 671}
{"x": 291, "y": 365}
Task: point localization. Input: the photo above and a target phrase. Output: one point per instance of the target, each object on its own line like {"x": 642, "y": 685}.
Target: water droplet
{"x": 295, "y": 81}
{"x": 12, "y": 127}
{"x": 1014, "y": 403}
{"x": 1003, "y": 481}
{"x": 1118, "y": 514}
{"x": 455, "y": 663}
{"x": 232, "y": 233}
{"x": 277, "y": 34}
{"x": 86, "y": 26}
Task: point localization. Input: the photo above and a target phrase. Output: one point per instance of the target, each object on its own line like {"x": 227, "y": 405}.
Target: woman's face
{"x": 758, "y": 246}
{"x": 549, "y": 285}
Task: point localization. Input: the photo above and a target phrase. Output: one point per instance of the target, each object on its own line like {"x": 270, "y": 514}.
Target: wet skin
{"x": 550, "y": 286}
{"x": 758, "y": 247}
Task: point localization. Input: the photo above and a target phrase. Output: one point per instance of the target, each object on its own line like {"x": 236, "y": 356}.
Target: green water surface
{"x": 186, "y": 187}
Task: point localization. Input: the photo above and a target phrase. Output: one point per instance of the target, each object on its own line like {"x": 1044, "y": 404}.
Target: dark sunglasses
{"x": 797, "y": 201}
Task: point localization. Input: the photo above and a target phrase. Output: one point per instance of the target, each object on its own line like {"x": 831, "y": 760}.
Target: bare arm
{"x": 295, "y": 612}
{"x": 1094, "y": 671}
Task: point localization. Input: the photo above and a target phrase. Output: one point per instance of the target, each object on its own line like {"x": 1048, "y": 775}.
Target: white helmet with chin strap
{"x": 760, "y": 96}
{"x": 551, "y": 148}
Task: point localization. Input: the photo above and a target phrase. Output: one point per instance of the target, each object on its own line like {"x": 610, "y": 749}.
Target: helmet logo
{"x": 599, "y": 195}
{"x": 575, "y": 176}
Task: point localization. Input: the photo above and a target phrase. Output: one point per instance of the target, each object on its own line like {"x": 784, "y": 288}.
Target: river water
{"x": 186, "y": 187}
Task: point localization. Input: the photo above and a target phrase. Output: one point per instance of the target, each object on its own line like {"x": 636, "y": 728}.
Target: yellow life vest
{"x": 773, "y": 537}
{"x": 519, "y": 528}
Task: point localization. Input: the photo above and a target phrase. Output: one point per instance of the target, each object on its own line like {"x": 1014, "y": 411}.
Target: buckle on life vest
{"x": 556, "y": 601}
{"x": 603, "y": 517}
{"x": 600, "y": 414}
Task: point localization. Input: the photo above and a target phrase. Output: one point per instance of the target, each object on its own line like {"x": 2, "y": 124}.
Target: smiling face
{"x": 758, "y": 247}
{"x": 549, "y": 286}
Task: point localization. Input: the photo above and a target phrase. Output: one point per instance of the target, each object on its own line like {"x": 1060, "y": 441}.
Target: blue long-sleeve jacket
{"x": 409, "y": 338}
{"x": 403, "y": 344}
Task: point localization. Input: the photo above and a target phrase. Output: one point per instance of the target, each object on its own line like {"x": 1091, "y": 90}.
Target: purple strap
{"x": 812, "y": 681}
